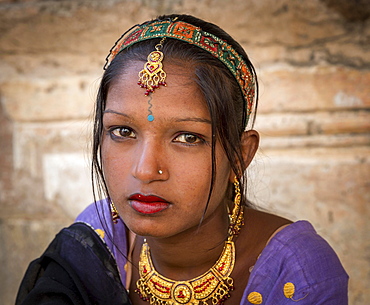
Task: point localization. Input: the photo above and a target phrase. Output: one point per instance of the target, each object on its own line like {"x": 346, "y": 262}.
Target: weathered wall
{"x": 313, "y": 62}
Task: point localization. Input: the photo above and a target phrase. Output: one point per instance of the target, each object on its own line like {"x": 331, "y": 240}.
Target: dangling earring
{"x": 114, "y": 212}
{"x": 237, "y": 215}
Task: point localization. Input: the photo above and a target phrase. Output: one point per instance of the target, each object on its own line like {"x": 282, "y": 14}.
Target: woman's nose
{"x": 148, "y": 165}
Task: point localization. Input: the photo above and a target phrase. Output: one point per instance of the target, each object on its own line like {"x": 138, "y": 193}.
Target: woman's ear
{"x": 249, "y": 144}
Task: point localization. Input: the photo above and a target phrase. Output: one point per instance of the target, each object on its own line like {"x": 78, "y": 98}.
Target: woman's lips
{"x": 148, "y": 204}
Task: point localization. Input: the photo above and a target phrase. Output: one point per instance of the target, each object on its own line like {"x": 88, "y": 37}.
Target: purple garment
{"x": 296, "y": 256}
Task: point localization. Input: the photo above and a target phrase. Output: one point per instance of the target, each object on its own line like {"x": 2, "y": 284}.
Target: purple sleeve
{"x": 298, "y": 266}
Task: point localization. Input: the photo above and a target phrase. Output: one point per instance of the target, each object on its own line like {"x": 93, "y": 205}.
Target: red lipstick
{"x": 148, "y": 204}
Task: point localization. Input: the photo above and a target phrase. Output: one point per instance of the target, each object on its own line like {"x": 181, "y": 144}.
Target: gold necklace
{"x": 215, "y": 284}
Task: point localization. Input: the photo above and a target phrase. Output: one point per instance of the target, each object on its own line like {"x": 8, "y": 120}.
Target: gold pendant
{"x": 152, "y": 76}
{"x": 215, "y": 284}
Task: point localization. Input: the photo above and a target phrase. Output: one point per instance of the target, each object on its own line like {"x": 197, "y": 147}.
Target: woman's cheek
{"x": 113, "y": 168}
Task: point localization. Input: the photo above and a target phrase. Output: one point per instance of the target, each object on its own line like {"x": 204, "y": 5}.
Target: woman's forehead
{"x": 181, "y": 95}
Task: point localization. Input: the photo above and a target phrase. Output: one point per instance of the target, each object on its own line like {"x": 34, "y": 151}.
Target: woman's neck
{"x": 190, "y": 253}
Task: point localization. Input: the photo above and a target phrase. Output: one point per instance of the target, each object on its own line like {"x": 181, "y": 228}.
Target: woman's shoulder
{"x": 76, "y": 266}
{"x": 98, "y": 215}
{"x": 298, "y": 264}
{"x": 95, "y": 214}
{"x": 300, "y": 244}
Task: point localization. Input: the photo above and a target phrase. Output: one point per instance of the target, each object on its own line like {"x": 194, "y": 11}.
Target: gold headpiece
{"x": 191, "y": 34}
{"x": 152, "y": 76}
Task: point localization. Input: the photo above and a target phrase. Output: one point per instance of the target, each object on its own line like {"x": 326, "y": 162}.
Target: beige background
{"x": 313, "y": 61}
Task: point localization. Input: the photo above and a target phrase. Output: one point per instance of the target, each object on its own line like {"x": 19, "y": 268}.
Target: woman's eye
{"x": 122, "y": 132}
{"x": 188, "y": 138}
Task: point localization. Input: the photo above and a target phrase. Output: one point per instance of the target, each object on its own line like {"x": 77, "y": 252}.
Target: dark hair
{"x": 221, "y": 92}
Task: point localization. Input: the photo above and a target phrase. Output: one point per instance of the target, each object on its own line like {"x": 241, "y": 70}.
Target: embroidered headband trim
{"x": 184, "y": 31}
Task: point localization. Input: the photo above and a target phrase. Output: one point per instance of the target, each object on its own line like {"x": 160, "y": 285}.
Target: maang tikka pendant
{"x": 152, "y": 76}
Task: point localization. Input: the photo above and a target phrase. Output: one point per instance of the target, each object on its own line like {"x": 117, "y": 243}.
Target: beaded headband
{"x": 184, "y": 31}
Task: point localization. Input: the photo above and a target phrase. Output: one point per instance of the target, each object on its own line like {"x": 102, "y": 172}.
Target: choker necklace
{"x": 215, "y": 284}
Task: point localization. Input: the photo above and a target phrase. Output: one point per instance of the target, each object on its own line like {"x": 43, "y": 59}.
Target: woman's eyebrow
{"x": 193, "y": 119}
{"x": 115, "y": 112}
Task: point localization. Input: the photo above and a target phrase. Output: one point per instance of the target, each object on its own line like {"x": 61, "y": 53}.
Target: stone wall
{"x": 313, "y": 61}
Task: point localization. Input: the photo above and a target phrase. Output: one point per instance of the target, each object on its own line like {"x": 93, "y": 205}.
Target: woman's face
{"x": 177, "y": 142}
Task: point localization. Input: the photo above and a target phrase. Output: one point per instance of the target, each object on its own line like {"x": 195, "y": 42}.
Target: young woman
{"x": 172, "y": 139}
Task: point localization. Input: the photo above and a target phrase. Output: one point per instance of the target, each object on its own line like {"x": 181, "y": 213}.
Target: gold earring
{"x": 114, "y": 212}
{"x": 237, "y": 215}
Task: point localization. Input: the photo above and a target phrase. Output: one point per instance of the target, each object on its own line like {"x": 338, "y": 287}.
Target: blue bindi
{"x": 150, "y": 118}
